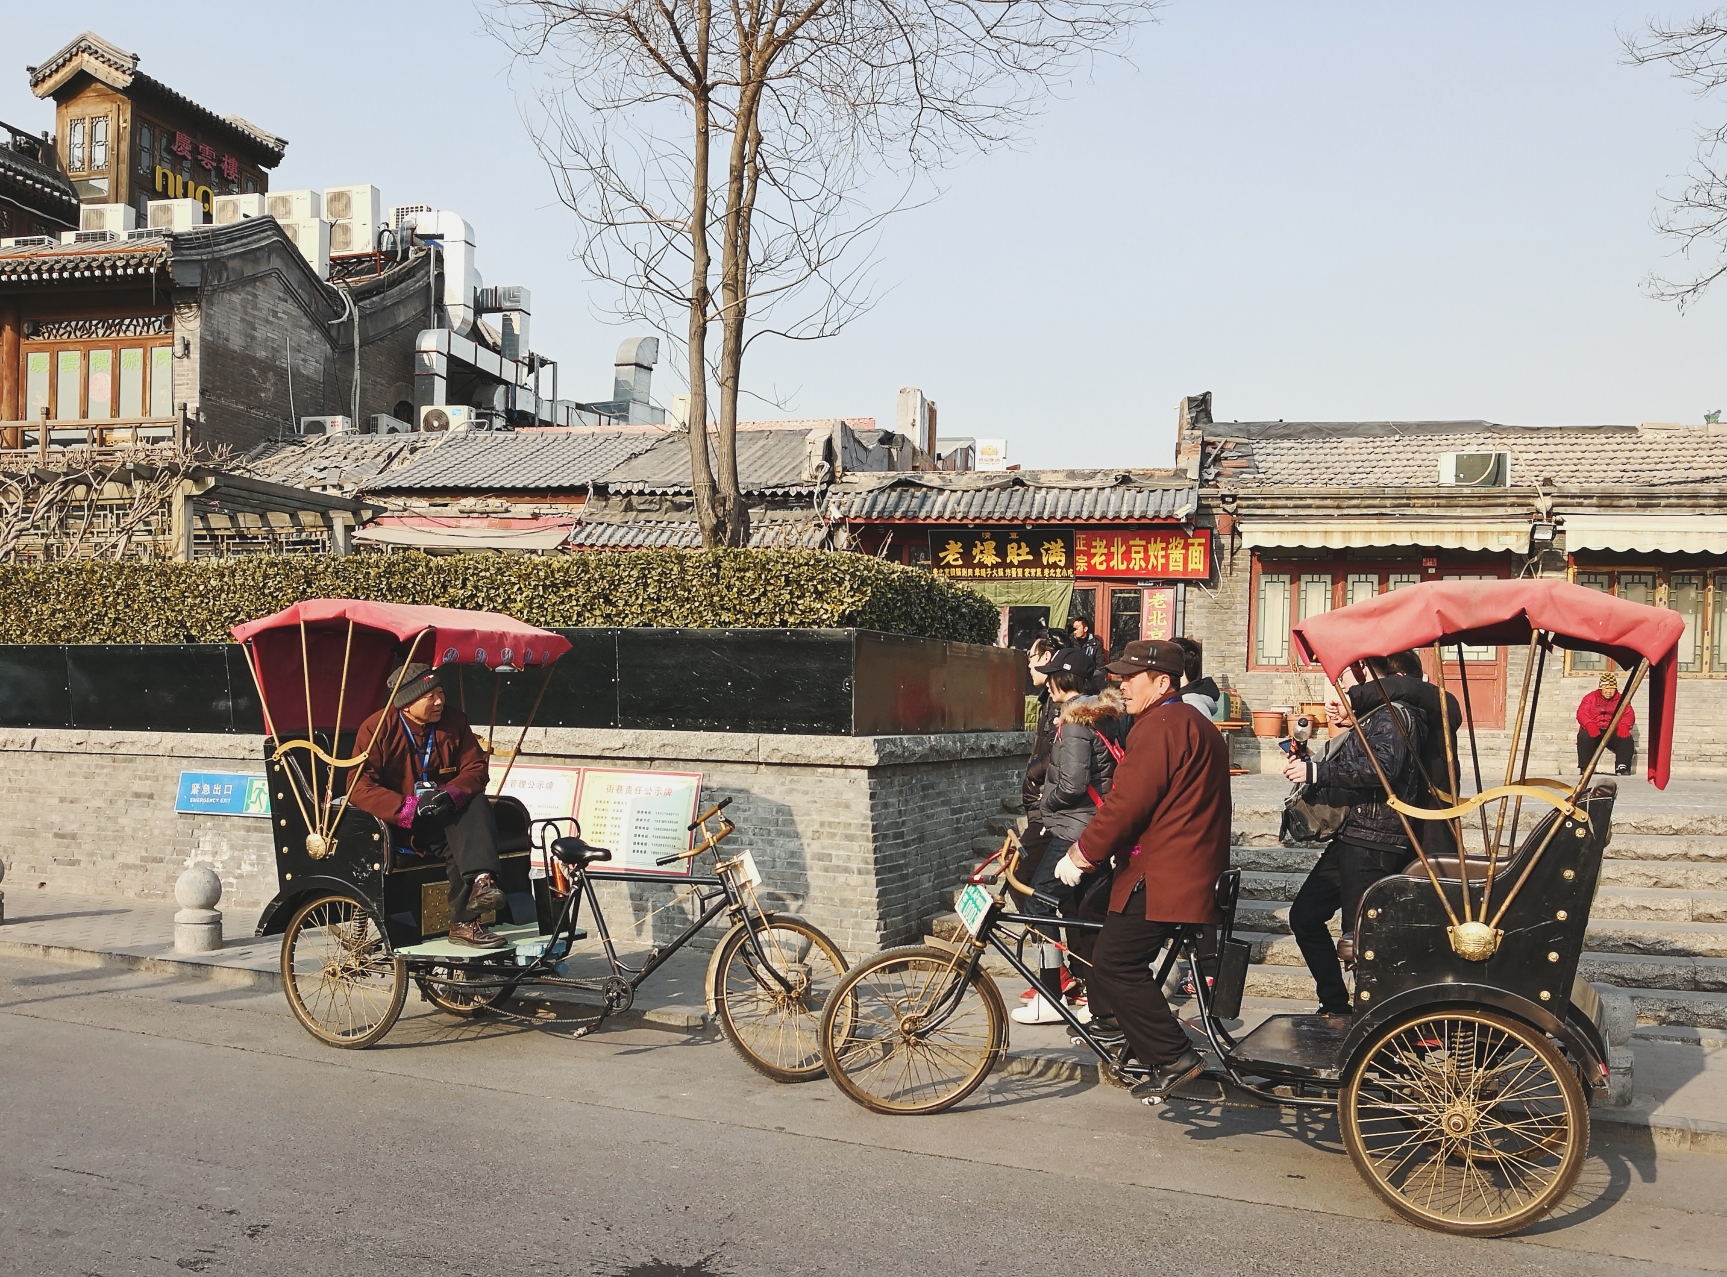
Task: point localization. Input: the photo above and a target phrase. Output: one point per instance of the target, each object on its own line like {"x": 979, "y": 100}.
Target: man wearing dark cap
{"x": 1165, "y": 827}
{"x": 425, "y": 776}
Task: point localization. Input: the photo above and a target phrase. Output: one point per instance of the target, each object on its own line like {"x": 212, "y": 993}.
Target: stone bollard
{"x": 198, "y": 925}
{"x": 1620, "y": 1016}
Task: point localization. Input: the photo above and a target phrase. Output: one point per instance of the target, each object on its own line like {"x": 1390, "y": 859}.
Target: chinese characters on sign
{"x": 1142, "y": 552}
{"x": 222, "y": 794}
{"x": 639, "y": 815}
{"x": 1157, "y": 621}
{"x": 1002, "y": 554}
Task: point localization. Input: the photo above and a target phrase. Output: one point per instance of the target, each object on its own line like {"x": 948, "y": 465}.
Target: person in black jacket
{"x": 1088, "y": 642}
{"x": 1036, "y": 838}
{"x": 1079, "y": 773}
{"x": 1407, "y": 681}
{"x": 1371, "y": 844}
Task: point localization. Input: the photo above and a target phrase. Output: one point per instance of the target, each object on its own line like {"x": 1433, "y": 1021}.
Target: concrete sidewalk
{"x": 1680, "y": 1078}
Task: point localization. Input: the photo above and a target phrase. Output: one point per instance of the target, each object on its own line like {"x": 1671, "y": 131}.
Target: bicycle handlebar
{"x": 709, "y": 814}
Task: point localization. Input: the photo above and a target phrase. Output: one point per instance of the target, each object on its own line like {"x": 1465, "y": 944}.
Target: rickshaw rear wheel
{"x": 343, "y": 984}
{"x": 911, "y": 1031}
{"x": 776, "y": 1028}
{"x": 446, "y": 987}
{"x": 1465, "y": 1121}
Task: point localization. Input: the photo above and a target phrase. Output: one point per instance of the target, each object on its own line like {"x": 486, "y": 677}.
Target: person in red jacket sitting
{"x": 1594, "y": 713}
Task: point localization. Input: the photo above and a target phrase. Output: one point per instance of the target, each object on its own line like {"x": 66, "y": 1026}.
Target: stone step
{"x": 1695, "y": 848}
{"x": 1259, "y": 818}
{"x": 1000, "y": 823}
{"x": 1704, "y": 1010}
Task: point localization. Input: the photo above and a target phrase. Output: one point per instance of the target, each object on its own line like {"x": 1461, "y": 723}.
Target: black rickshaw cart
{"x": 1463, "y": 1080}
{"x": 360, "y": 914}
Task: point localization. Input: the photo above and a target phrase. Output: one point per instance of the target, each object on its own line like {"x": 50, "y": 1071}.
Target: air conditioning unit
{"x": 324, "y": 425}
{"x": 293, "y": 206}
{"x": 146, "y": 232}
{"x": 174, "y": 215}
{"x": 312, "y": 237}
{"x": 237, "y": 208}
{"x": 440, "y": 416}
{"x": 354, "y": 214}
{"x": 383, "y": 423}
{"x": 88, "y": 237}
{"x": 402, "y": 216}
{"x": 119, "y": 218}
{"x": 26, "y": 241}
{"x": 1475, "y": 469}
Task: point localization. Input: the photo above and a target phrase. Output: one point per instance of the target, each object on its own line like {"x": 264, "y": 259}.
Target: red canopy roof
{"x": 383, "y": 635}
{"x": 1490, "y": 613}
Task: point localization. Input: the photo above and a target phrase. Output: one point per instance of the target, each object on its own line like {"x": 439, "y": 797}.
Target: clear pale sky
{"x": 1317, "y": 211}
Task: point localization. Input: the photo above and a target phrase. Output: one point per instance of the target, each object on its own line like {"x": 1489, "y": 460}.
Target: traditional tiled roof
{"x": 769, "y": 530}
{"x": 770, "y": 462}
{"x": 57, "y": 263}
{"x": 1015, "y": 496}
{"x": 506, "y": 461}
{"x": 336, "y": 463}
{"x": 1397, "y": 454}
{"x": 118, "y": 68}
{"x": 38, "y": 185}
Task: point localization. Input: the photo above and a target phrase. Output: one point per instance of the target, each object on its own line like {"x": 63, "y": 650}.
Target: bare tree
{"x": 728, "y": 161}
{"x": 101, "y": 503}
{"x": 1696, "y": 218}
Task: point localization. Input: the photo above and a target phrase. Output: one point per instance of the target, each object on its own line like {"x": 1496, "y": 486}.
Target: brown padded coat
{"x": 1171, "y": 800}
{"x": 387, "y": 776}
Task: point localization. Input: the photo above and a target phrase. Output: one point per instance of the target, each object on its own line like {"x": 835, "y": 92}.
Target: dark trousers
{"x": 1073, "y": 902}
{"x": 1623, "y": 749}
{"x": 1338, "y": 880}
{"x": 1122, "y": 971}
{"x": 469, "y": 846}
{"x": 1033, "y": 848}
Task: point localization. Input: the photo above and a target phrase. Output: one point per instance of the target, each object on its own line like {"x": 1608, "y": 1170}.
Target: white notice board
{"x": 641, "y": 816}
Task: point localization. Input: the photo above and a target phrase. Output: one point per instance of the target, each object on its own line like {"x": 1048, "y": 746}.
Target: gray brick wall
{"x": 859, "y": 834}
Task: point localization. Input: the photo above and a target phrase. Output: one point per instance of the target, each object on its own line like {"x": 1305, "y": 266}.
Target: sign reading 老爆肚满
{"x": 222, "y": 794}
{"x": 1002, "y": 554}
{"x": 1158, "y": 553}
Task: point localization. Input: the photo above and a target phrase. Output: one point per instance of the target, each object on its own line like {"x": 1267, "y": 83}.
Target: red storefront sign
{"x": 1142, "y": 552}
{"x": 1158, "y": 615}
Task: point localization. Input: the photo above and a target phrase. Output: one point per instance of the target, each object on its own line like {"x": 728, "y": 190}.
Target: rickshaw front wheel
{"x": 342, "y": 982}
{"x": 1465, "y": 1121}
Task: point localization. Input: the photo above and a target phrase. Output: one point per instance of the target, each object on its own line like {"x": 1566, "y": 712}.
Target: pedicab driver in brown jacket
{"x": 1165, "y": 826}
{"x": 425, "y": 776}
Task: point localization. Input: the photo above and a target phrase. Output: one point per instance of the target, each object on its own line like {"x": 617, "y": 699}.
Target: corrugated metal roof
{"x": 775, "y": 530}
{"x": 1025, "y": 496}
{"x": 506, "y": 461}
{"x": 769, "y": 462}
{"x": 1399, "y": 454}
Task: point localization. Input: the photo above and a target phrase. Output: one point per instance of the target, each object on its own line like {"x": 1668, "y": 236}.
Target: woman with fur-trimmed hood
{"x": 1089, "y": 735}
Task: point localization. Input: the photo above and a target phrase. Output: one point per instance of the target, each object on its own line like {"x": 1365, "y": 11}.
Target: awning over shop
{"x": 1343, "y": 533}
{"x": 1053, "y": 594}
{"x": 1674, "y": 534}
{"x": 466, "y": 539}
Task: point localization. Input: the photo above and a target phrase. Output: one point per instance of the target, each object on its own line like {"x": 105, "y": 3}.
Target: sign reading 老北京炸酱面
{"x": 222, "y": 794}
{"x": 1002, "y": 554}
{"x": 641, "y": 816}
{"x": 1155, "y": 553}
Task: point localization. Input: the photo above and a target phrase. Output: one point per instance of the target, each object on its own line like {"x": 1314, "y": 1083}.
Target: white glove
{"x": 1068, "y": 871}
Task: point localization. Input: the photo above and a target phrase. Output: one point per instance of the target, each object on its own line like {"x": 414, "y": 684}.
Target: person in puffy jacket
{"x": 1371, "y": 843}
{"x": 1594, "y": 714}
{"x": 1080, "y": 771}
{"x": 1035, "y": 839}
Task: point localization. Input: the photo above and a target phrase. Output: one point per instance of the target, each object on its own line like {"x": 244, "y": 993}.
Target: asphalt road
{"x": 156, "y": 1126}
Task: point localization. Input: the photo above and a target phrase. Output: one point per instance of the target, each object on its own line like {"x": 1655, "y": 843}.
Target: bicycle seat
{"x": 573, "y": 851}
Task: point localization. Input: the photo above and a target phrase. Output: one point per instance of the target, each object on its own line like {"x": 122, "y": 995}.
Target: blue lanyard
{"x": 425, "y": 758}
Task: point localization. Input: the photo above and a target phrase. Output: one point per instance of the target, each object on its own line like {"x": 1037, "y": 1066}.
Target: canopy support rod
{"x": 1528, "y": 746}
{"x": 527, "y": 723}
{"x": 270, "y": 727}
{"x": 1450, "y": 751}
{"x": 1408, "y": 829}
{"x": 1576, "y": 793}
{"x": 316, "y": 824}
{"x": 324, "y": 817}
{"x": 1475, "y": 759}
{"x": 1516, "y": 733}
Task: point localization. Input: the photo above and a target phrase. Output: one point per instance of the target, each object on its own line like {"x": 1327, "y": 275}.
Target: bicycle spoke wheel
{"x": 771, "y": 1010}
{"x": 449, "y": 988}
{"x": 909, "y": 1031}
{"x": 342, "y": 982}
{"x": 1467, "y": 1122}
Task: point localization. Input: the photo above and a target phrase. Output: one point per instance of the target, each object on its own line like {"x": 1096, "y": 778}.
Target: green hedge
{"x": 140, "y": 602}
